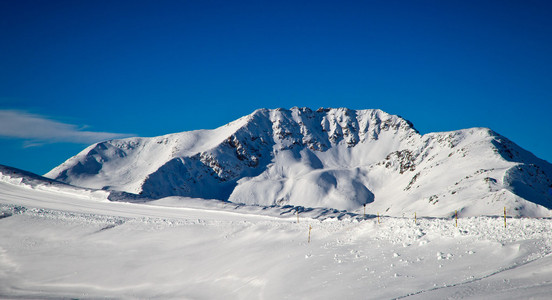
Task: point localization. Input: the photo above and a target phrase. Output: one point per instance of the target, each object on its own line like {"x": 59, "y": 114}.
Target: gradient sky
{"x": 76, "y": 72}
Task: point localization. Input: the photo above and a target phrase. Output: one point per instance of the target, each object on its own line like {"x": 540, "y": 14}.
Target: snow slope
{"x": 333, "y": 158}
{"x": 60, "y": 241}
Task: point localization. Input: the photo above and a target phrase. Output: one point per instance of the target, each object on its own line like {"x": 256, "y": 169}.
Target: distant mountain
{"x": 338, "y": 158}
{"x": 15, "y": 175}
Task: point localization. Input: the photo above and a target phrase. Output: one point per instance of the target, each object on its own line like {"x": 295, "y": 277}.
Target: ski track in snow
{"x": 473, "y": 280}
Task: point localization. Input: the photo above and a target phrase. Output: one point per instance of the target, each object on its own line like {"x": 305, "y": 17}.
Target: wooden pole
{"x": 456, "y": 217}
{"x": 415, "y": 219}
{"x": 378, "y": 218}
{"x": 310, "y": 227}
{"x": 504, "y": 216}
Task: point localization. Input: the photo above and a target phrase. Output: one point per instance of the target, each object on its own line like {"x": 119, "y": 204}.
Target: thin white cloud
{"x": 38, "y": 129}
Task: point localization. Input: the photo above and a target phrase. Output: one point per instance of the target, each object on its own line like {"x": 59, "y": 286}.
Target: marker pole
{"x": 504, "y": 216}
{"x": 456, "y": 217}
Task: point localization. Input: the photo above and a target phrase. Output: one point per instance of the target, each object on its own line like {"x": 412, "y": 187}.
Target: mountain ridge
{"x": 338, "y": 158}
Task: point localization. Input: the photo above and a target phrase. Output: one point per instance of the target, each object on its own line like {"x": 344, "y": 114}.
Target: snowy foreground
{"x": 58, "y": 243}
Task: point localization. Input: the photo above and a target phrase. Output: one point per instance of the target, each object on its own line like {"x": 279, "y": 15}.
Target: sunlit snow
{"x": 60, "y": 241}
{"x": 284, "y": 204}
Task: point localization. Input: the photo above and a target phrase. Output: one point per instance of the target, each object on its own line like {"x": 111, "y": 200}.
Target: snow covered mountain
{"x": 338, "y": 158}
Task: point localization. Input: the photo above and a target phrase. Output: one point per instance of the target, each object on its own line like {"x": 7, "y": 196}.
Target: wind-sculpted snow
{"x": 63, "y": 242}
{"x": 333, "y": 158}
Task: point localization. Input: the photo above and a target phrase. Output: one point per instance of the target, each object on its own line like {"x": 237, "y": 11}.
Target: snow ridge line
{"x": 481, "y": 228}
{"x": 8, "y": 210}
{"x": 271, "y": 212}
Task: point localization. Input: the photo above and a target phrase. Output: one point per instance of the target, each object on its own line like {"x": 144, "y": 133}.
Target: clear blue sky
{"x": 75, "y": 72}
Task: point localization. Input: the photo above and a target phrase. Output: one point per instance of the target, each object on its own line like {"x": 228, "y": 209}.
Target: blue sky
{"x": 76, "y": 72}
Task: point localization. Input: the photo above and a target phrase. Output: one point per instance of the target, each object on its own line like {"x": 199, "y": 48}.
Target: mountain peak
{"x": 329, "y": 157}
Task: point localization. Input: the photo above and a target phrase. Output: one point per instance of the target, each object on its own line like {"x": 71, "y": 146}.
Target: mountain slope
{"x": 337, "y": 158}
{"x": 18, "y": 183}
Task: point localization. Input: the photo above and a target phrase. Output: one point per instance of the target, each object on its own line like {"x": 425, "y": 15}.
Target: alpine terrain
{"x": 125, "y": 219}
{"x": 334, "y": 158}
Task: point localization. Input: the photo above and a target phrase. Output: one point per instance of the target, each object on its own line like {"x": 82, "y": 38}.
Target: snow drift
{"x": 336, "y": 158}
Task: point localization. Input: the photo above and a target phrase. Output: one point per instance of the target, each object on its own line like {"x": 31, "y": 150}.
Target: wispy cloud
{"x": 36, "y": 130}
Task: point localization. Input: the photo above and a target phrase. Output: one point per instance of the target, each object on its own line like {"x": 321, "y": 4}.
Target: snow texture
{"x": 64, "y": 242}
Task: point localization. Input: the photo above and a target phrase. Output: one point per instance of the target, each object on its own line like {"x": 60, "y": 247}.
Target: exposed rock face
{"x": 337, "y": 158}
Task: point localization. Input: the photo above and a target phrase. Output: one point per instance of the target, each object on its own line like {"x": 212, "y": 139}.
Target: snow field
{"x": 56, "y": 253}
{"x": 65, "y": 242}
